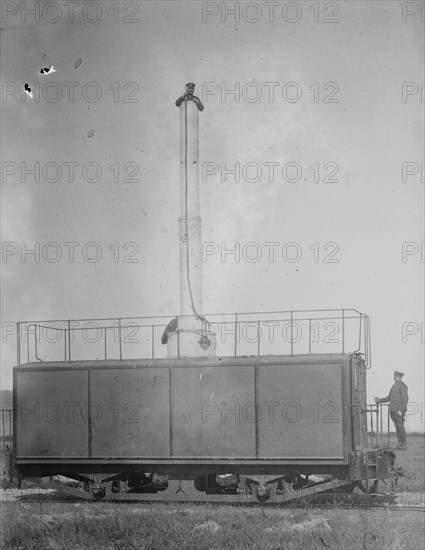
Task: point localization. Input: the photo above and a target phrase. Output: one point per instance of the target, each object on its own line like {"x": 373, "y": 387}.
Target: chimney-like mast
{"x": 190, "y": 221}
{"x": 192, "y": 337}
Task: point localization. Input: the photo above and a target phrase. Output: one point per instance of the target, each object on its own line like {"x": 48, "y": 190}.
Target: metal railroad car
{"x": 242, "y": 427}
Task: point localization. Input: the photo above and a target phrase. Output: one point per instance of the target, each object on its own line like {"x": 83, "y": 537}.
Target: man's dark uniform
{"x": 398, "y": 399}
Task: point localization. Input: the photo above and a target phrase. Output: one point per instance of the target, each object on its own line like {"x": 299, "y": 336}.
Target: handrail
{"x": 301, "y": 332}
{"x": 378, "y": 436}
{"x": 209, "y": 315}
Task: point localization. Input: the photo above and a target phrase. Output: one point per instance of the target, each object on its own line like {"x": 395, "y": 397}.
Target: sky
{"x": 330, "y": 93}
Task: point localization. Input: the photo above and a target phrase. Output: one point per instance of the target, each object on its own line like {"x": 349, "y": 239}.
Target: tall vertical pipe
{"x": 189, "y": 221}
{"x": 191, "y": 336}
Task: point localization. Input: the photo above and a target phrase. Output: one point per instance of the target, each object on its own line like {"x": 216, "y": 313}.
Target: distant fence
{"x": 237, "y": 334}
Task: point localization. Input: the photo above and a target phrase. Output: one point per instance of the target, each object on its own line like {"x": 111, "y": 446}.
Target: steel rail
{"x": 339, "y": 506}
{"x": 220, "y": 500}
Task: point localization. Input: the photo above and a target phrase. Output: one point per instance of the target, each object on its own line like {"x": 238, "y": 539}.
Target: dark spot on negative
{"x": 90, "y": 133}
{"x": 78, "y": 63}
{"x": 47, "y": 70}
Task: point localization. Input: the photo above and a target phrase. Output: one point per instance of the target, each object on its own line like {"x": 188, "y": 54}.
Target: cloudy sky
{"x": 325, "y": 116}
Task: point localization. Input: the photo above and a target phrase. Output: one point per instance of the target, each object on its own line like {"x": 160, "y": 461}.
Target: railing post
{"x": 10, "y": 422}
{"x": 236, "y": 334}
{"x": 292, "y": 334}
{"x": 35, "y": 342}
{"x": 377, "y": 418}
{"x": 368, "y": 350}
{"x": 18, "y": 343}
{"x": 106, "y": 348}
{"x": 119, "y": 337}
{"x": 343, "y": 330}
{"x": 388, "y": 426}
{"x": 360, "y": 332}
{"x": 153, "y": 341}
{"x": 28, "y": 343}
{"x": 309, "y": 336}
{"x": 258, "y": 338}
{"x": 69, "y": 340}
{"x": 64, "y": 341}
{"x": 3, "y": 424}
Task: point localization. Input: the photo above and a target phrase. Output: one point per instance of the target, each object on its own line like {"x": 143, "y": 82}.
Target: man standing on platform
{"x": 398, "y": 399}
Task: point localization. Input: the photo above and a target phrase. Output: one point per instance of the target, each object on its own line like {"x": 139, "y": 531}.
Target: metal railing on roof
{"x": 237, "y": 334}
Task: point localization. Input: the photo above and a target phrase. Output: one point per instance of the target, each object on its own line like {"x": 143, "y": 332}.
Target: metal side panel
{"x": 213, "y": 412}
{"x": 52, "y": 414}
{"x": 301, "y": 411}
{"x": 134, "y": 412}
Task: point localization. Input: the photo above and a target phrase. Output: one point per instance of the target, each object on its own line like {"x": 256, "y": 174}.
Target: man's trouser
{"x": 399, "y": 427}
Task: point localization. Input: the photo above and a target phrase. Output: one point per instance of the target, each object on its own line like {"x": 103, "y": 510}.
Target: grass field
{"x": 99, "y": 526}
{"x": 47, "y": 521}
{"x": 413, "y": 463}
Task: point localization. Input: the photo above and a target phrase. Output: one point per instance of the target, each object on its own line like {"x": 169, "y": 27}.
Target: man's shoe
{"x": 403, "y": 447}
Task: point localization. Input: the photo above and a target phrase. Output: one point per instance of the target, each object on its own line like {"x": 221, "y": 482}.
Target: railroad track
{"x": 356, "y": 502}
{"x": 399, "y": 508}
